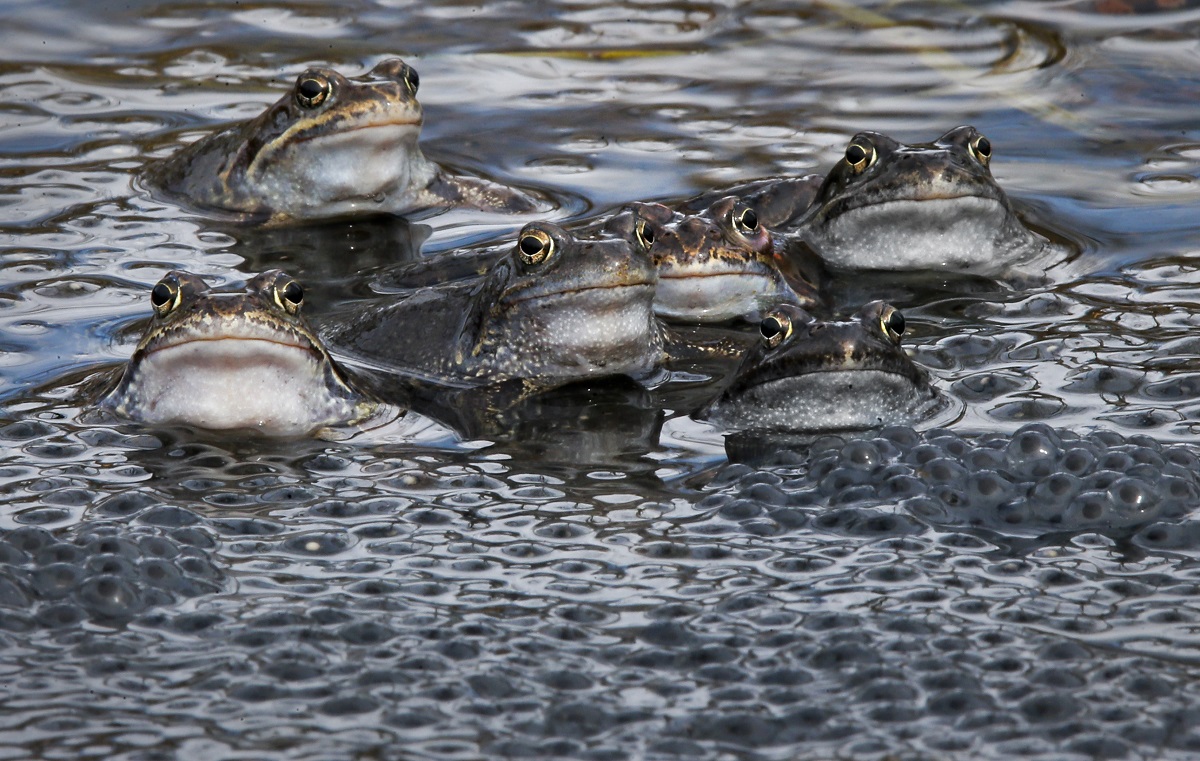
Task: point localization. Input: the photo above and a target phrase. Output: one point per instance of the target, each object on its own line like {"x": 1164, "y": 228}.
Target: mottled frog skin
{"x": 809, "y": 375}
{"x": 715, "y": 265}
{"x": 930, "y": 206}
{"x": 235, "y": 360}
{"x": 332, "y": 147}
{"x": 554, "y": 310}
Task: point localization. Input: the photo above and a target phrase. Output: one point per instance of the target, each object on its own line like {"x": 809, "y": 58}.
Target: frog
{"x": 332, "y": 147}
{"x": 237, "y": 359}
{"x": 718, "y": 264}
{"x": 555, "y": 309}
{"x": 778, "y": 201}
{"x": 809, "y": 375}
{"x": 890, "y": 206}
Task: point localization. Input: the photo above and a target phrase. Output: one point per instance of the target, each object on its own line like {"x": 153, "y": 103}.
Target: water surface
{"x": 616, "y": 589}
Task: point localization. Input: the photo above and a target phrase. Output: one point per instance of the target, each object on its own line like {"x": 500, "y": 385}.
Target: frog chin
{"x": 378, "y": 168}
{"x": 596, "y": 331}
{"x": 275, "y": 387}
{"x": 718, "y": 296}
{"x": 967, "y": 234}
{"x": 836, "y": 400}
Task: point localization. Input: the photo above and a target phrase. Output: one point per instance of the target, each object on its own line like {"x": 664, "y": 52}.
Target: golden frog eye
{"x": 775, "y": 328}
{"x": 312, "y": 90}
{"x": 981, "y": 149}
{"x": 535, "y": 246}
{"x": 644, "y": 233}
{"x": 745, "y": 220}
{"x": 860, "y": 154}
{"x": 892, "y": 323}
{"x": 165, "y": 296}
{"x": 289, "y": 296}
{"x": 411, "y": 79}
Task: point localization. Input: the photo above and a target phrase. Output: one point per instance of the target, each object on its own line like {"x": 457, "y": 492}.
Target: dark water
{"x": 612, "y": 589}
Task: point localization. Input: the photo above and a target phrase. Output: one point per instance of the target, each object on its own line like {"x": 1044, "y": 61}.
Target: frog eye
{"x": 535, "y": 246}
{"x": 981, "y": 149}
{"x": 775, "y": 328}
{"x": 412, "y": 79}
{"x": 745, "y": 220}
{"x": 165, "y": 296}
{"x": 644, "y": 233}
{"x": 289, "y": 296}
{"x": 860, "y": 154}
{"x": 892, "y": 323}
{"x": 312, "y": 90}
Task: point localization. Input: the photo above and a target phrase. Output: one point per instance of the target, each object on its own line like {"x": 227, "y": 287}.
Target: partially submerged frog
{"x": 716, "y": 265}
{"x": 331, "y": 147}
{"x": 807, "y": 375}
{"x": 235, "y": 360}
{"x": 778, "y": 201}
{"x": 554, "y": 310}
{"x": 930, "y": 206}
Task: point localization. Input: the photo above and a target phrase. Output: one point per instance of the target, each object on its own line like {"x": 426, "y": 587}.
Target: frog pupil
{"x": 749, "y": 219}
{"x": 895, "y": 323}
{"x": 984, "y": 147}
{"x": 311, "y": 89}
{"x": 770, "y": 328}
{"x": 855, "y": 154}
{"x": 413, "y": 80}
{"x": 293, "y": 292}
{"x": 160, "y": 295}
{"x": 531, "y": 246}
{"x": 647, "y": 235}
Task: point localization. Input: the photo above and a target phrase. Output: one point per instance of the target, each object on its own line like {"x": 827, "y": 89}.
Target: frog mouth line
{"x": 586, "y": 289}
{"x": 981, "y": 202}
{"x": 358, "y": 128}
{"x": 784, "y": 377}
{"x": 307, "y": 348}
{"x": 727, "y": 273}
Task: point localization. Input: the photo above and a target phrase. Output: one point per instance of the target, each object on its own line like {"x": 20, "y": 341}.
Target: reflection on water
{"x": 585, "y": 575}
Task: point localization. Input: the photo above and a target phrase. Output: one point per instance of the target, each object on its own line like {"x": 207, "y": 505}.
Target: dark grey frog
{"x": 809, "y": 375}
{"x": 927, "y": 206}
{"x": 553, "y": 310}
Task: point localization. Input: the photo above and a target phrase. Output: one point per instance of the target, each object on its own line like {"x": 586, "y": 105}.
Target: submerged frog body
{"x": 555, "y": 309}
{"x": 331, "y": 147}
{"x": 240, "y": 360}
{"x": 715, "y": 265}
{"x": 808, "y": 375}
{"x": 929, "y": 206}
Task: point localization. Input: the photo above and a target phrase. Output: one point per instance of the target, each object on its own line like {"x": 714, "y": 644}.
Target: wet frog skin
{"x": 554, "y": 310}
{"x": 931, "y": 206}
{"x": 808, "y": 375}
{"x": 715, "y": 265}
{"x": 235, "y": 360}
{"x": 331, "y": 147}
{"x": 778, "y": 201}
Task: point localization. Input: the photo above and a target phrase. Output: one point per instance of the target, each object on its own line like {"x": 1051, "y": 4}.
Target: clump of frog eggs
{"x": 1038, "y": 479}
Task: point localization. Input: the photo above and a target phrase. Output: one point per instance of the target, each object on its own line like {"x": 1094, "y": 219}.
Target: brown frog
{"x": 716, "y": 265}
{"x": 331, "y": 147}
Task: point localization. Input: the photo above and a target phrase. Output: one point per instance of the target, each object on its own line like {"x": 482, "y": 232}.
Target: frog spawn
{"x": 101, "y": 573}
{"x": 1037, "y": 481}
